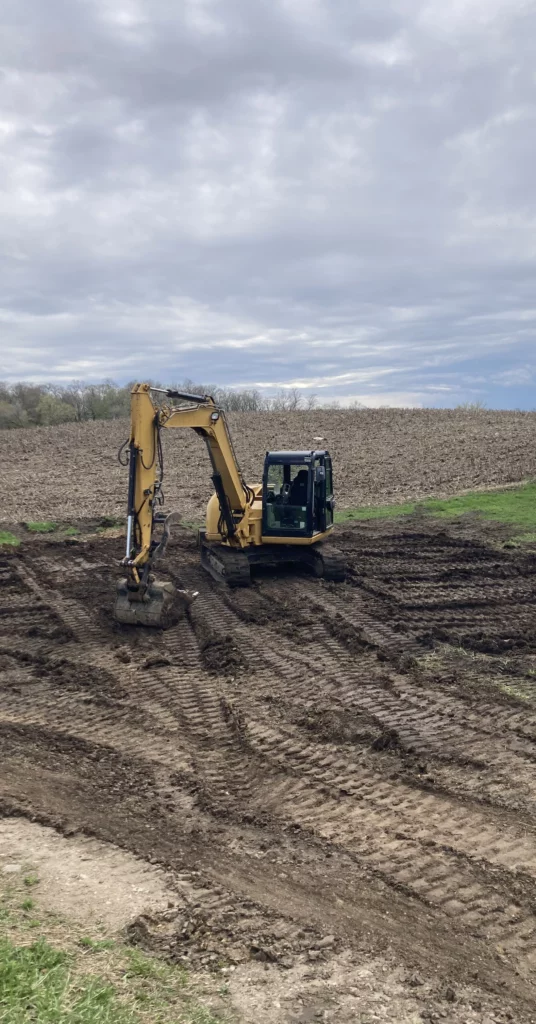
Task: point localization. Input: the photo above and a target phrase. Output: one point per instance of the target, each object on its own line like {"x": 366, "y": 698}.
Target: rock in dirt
{"x": 326, "y": 942}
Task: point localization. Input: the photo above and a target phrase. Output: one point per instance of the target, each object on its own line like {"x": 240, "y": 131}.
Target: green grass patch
{"x": 375, "y": 512}
{"x": 97, "y": 945}
{"x": 142, "y": 966}
{"x": 516, "y": 505}
{"x": 46, "y": 985}
{"x": 71, "y": 531}
{"x": 526, "y": 538}
{"x": 9, "y": 538}
{"x": 53, "y": 972}
{"x": 45, "y": 527}
{"x": 36, "y": 985}
{"x": 518, "y": 692}
{"x": 188, "y": 524}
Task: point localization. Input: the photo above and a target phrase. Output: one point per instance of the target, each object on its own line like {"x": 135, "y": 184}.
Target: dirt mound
{"x": 389, "y": 739}
{"x": 350, "y": 764}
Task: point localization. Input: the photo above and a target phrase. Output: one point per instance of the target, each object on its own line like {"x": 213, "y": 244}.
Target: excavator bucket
{"x": 161, "y": 605}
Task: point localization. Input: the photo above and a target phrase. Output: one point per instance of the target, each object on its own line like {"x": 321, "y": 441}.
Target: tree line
{"x": 28, "y": 405}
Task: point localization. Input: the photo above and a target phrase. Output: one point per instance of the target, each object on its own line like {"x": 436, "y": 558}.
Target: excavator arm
{"x": 145, "y": 483}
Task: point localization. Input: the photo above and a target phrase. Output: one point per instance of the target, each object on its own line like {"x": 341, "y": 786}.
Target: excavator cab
{"x": 297, "y": 494}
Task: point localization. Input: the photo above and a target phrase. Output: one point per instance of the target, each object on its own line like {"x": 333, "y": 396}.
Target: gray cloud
{"x": 297, "y": 191}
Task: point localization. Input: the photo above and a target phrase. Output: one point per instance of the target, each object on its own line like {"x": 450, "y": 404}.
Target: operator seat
{"x": 298, "y": 488}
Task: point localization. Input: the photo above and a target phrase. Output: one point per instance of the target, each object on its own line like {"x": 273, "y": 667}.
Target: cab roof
{"x": 295, "y": 456}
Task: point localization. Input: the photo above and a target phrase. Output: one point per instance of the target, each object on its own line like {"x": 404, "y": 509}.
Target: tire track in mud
{"x": 439, "y": 727}
{"x": 174, "y": 703}
{"x": 435, "y": 878}
{"x": 81, "y": 620}
{"x": 25, "y": 620}
{"x": 213, "y": 737}
{"x": 488, "y": 594}
{"x": 491, "y": 718}
{"x": 199, "y": 713}
{"x": 434, "y": 714}
{"x": 381, "y": 823}
{"x": 388, "y": 809}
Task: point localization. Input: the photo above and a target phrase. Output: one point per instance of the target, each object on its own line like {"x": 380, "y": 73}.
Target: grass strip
{"x": 512, "y": 505}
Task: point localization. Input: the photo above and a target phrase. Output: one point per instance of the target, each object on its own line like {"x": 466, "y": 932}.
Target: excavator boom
{"x": 140, "y": 599}
{"x": 146, "y": 462}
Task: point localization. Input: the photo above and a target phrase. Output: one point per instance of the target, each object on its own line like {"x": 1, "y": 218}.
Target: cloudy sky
{"x": 334, "y": 194}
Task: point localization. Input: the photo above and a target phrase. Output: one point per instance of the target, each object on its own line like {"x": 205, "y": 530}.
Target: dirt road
{"x": 325, "y": 768}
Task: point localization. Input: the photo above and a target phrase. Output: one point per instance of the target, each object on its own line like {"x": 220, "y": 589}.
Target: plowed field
{"x": 324, "y": 767}
{"x": 379, "y": 456}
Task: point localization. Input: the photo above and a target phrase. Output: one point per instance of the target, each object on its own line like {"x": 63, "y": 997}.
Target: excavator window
{"x": 287, "y": 488}
{"x": 297, "y": 494}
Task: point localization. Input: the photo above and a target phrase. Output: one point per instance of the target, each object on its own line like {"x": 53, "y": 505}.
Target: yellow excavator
{"x": 285, "y": 519}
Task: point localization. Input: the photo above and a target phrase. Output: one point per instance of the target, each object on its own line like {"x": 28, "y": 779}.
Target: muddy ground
{"x": 379, "y": 456}
{"x": 338, "y": 776}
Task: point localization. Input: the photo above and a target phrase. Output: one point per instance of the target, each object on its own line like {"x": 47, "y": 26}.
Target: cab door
{"x": 323, "y": 501}
{"x": 330, "y": 500}
{"x": 319, "y": 494}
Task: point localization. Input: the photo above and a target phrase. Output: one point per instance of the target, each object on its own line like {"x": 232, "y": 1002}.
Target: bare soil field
{"x": 339, "y": 779}
{"x": 380, "y": 456}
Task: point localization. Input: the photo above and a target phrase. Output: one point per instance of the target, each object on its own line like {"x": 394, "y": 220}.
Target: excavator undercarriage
{"x": 233, "y": 567}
